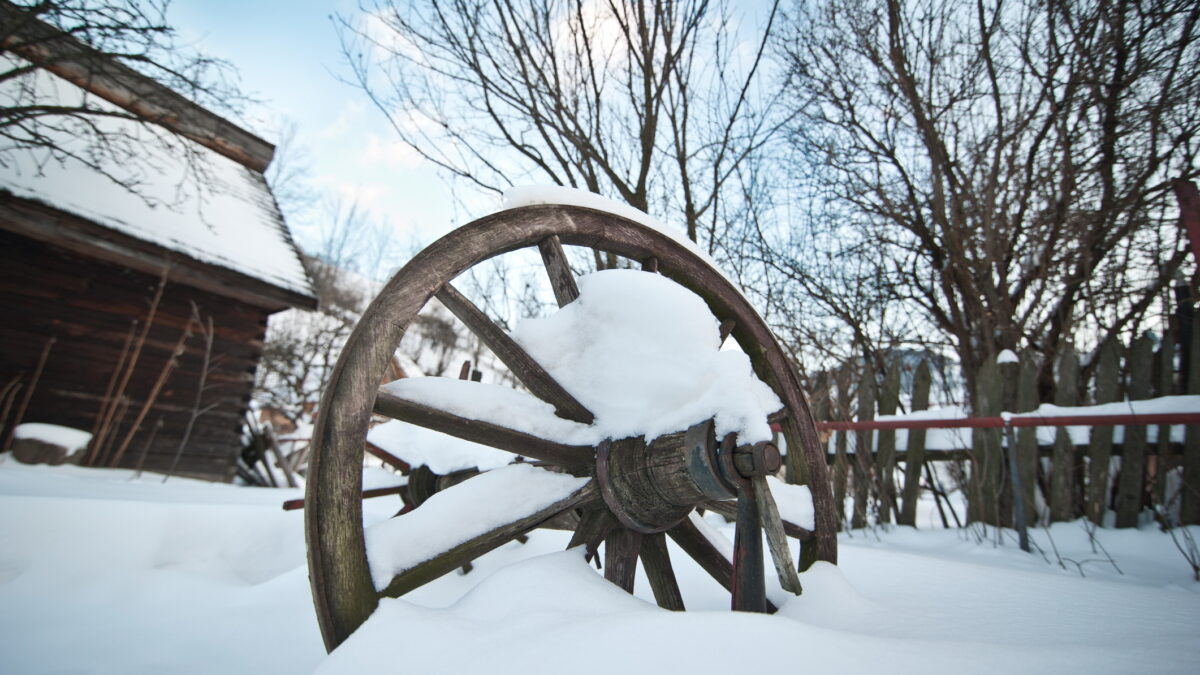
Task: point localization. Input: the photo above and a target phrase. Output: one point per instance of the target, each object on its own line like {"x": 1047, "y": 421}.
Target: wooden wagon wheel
{"x": 616, "y": 506}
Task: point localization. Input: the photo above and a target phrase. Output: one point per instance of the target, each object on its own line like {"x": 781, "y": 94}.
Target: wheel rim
{"x": 343, "y": 593}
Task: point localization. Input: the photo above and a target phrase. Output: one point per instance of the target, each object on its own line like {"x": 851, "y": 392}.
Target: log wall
{"x": 88, "y": 307}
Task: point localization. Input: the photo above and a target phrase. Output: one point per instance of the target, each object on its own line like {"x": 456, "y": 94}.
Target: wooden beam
{"x": 95, "y": 72}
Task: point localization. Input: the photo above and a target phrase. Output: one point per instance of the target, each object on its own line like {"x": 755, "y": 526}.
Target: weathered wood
{"x": 841, "y": 461}
{"x": 656, "y": 561}
{"x": 983, "y": 500}
{"x": 621, "y": 547}
{"x": 296, "y": 504}
{"x": 729, "y": 510}
{"x": 1189, "y": 490}
{"x": 337, "y": 561}
{"x": 772, "y": 524}
{"x": 914, "y": 454}
{"x": 1131, "y": 483}
{"x": 749, "y": 593}
{"x": 1026, "y": 437}
{"x": 1100, "y": 444}
{"x": 448, "y": 561}
{"x": 539, "y": 382}
{"x": 1164, "y": 385}
{"x": 885, "y": 460}
{"x": 863, "y": 450}
{"x": 43, "y": 223}
{"x": 575, "y": 458}
{"x": 594, "y": 526}
{"x": 1062, "y": 465}
{"x": 89, "y": 306}
{"x": 562, "y": 280}
{"x": 91, "y": 70}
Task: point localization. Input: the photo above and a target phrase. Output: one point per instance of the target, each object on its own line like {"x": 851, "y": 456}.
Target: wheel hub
{"x": 650, "y": 487}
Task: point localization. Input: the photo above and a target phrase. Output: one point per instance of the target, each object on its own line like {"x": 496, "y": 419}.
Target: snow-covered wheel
{"x": 624, "y": 492}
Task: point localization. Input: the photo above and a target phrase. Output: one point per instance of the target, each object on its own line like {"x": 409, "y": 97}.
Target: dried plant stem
{"x": 167, "y": 368}
{"x": 206, "y": 329}
{"x": 106, "y": 426}
{"x": 33, "y": 382}
{"x": 9, "y": 395}
{"x": 137, "y": 472}
{"x": 108, "y": 400}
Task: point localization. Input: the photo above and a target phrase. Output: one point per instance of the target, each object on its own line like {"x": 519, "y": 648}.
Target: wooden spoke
{"x": 781, "y": 555}
{"x": 695, "y": 544}
{"x": 594, "y": 526}
{"x": 657, "y": 563}
{"x": 527, "y": 370}
{"x": 448, "y": 561}
{"x": 778, "y": 416}
{"x": 729, "y": 509}
{"x": 726, "y": 328}
{"x": 574, "y": 458}
{"x": 650, "y": 264}
{"x": 749, "y": 583}
{"x": 561, "y": 278}
{"x": 621, "y": 548}
{"x": 387, "y": 457}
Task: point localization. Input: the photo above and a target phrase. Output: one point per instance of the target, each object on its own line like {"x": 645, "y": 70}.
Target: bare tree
{"x": 107, "y": 48}
{"x": 660, "y": 104}
{"x": 997, "y": 175}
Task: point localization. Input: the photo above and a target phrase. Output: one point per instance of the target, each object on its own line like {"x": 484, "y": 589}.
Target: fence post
{"x": 1189, "y": 507}
{"x": 1131, "y": 486}
{"x": 862, "y": 448}
{"x": 1026, "y": 442}
{"x": 885, "y": 460}
{"x": 983, "y": 504}
{"x": 914, "y": 452}
{"x": 1164, "y": 385}
{"x": 841, "y": 465}
{"x": 1062, "y": 461}
{"x": 1100, "y": 443}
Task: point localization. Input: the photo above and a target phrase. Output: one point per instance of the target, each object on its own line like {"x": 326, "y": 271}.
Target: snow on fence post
{"x": 1026, "y": 437}
{"x": 914, "y": 452}
{"x": 862, "y": 449}
{"x": 983, "y": 500}
{"x": 1131, "y": 484}
{"x": 1100, "y": 444}
{"x": 1189, "y": 507}
{"x": 885, "y": 459}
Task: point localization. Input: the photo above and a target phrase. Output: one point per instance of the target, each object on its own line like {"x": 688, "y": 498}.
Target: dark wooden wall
{"x": 88, "y": 306}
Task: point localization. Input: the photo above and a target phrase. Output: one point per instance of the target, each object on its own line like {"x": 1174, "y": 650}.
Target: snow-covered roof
{"x": 178, "y": 195}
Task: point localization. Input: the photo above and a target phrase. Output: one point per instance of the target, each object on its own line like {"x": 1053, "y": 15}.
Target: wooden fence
{"x": 1059, "y": 476}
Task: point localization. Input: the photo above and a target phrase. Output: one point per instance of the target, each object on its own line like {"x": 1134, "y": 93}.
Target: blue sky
{"x": 288, "y": 56}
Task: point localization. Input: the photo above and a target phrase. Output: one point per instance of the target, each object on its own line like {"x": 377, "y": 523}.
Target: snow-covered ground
{"x": 100, "y": 573}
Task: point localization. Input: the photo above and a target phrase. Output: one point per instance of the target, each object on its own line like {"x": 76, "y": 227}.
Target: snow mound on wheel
{"x": 643, "y": 354}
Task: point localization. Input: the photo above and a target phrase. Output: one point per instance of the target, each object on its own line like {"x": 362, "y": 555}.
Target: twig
{"x": 33, "y": 383}
{"x": 206, "y": 329}
{"x": 89, "y": 459}
{"x": 168, "y": 367}
{"x": 137, "y": 472}
{"x": 10, "y": 395}
{"x": 106, "y": 426}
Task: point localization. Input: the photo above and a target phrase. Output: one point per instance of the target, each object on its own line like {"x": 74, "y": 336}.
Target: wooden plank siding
{"x": 88, "y": 305}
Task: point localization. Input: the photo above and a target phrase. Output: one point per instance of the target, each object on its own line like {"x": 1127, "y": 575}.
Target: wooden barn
{"x": 111, "y": 276}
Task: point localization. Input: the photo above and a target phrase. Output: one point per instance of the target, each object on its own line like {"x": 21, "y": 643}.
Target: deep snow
{"x": 100, "y": 573}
